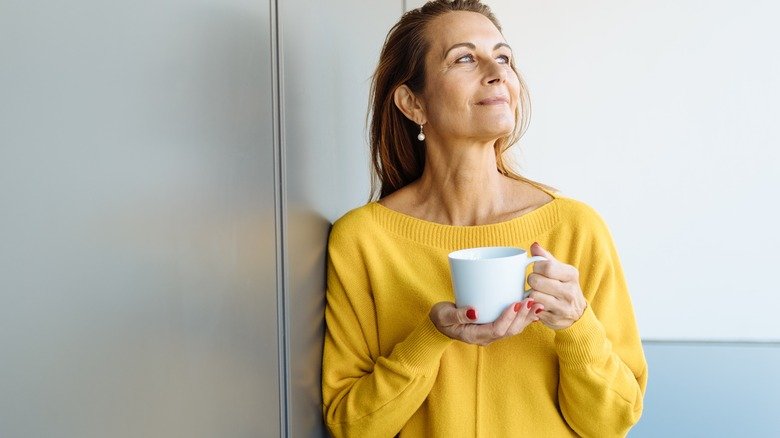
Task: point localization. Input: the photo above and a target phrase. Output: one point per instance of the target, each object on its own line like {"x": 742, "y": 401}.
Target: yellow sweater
{"x": 387, "y": 369}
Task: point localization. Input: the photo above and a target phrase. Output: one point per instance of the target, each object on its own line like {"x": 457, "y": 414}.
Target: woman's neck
{"x": 461, "y": 187}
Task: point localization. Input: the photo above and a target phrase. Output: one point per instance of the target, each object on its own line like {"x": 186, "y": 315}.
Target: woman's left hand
{"x": 556, "y": 285}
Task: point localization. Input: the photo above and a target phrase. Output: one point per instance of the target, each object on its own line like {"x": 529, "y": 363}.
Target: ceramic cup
{"x": 489, "y": 279}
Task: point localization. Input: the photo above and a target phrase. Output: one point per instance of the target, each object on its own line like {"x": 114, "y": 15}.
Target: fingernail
{"x": 530, "y": 303}
{"x": 536, "y": 243}
{"x": 471, "y": 314}
{"x": 538, "y": 311}
{"x": 517, "y": 307}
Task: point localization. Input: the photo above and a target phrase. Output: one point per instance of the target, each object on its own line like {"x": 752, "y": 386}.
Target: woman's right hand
{"x": 457, "y": 323}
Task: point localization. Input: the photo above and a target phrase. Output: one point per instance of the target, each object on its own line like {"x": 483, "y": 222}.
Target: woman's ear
{"x": 409, "y": 104}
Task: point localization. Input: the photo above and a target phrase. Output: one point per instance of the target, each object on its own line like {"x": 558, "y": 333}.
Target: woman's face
{"x": 471, "y": 91}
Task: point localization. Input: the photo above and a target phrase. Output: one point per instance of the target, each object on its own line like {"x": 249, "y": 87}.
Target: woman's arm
{"x": 601, "y": 383}
{"x": 366, "y": 393}
{"x": 603, "y": 373}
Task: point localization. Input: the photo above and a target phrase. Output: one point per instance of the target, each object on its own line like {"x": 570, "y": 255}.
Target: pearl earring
{"x": 421, "y": 135}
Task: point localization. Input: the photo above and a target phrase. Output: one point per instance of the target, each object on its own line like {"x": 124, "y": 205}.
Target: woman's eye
{"x": 503, "y": 59}
{"x": 465, "y": 58}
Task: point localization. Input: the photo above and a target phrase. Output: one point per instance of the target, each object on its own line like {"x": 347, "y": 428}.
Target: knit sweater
{"x": 387, "y": 370}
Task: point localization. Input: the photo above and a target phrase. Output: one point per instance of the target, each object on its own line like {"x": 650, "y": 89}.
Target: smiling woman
{"x": 399, "y": 356}
{"x": 410, "y": 44}
{"x": 476, "y": 88}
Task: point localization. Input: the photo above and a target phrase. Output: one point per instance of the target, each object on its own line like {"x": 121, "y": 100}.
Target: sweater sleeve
{"x": 603, "y": 372}
{"x": 366, "y": 394}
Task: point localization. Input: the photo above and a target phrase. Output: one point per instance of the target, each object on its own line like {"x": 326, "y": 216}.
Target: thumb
{"x": 538, "y": 250}
{"x": 446, "y": 314}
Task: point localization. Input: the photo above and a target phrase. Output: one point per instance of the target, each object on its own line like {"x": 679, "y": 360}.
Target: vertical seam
{"x": 477, "y": 403}
{"x": 279, "y": 219}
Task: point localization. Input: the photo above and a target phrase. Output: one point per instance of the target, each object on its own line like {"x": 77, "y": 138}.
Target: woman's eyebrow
{"x": 473, "y": 47}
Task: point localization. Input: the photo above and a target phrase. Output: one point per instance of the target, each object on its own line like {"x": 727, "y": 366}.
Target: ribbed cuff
{"x": 421, "y": 351}
{"x": 584, "y": 342}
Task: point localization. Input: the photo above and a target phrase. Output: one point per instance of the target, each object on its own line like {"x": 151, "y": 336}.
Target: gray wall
{"x": 138, "y": 235}
{"x": 329, "y": 51}
{"x": 168, "y": 175}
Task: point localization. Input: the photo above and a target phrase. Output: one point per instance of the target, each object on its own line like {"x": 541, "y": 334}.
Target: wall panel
{"x": 137, "y": 234}
{"x": 329, "y": 51}
{"x": 711, "y": 389}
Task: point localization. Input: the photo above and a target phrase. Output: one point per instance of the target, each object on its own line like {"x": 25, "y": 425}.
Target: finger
{"x": 549, "y": 302}
{"x": 536, "y": 310}
{"x": 448, "y": 315}
{"x": 552, "y": 267}
{"x": 499, "y": 327}
{"x": 466, "y": 315}
{"x": 539, "y": 250}
{"x": 547, "y": 285}
{"x": 553, "y": 321}
{"x": 525, "y": 316}
{"x": 563, "y": 290}
{"x": 556, "y": 270}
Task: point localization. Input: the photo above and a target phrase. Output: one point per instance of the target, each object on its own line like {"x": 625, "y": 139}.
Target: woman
{"x": 399, "y": 357}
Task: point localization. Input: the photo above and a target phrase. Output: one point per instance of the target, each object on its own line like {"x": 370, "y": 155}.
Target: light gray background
{"x": 660, "y": 114}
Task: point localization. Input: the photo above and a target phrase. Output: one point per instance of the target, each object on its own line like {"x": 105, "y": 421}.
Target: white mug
{"x": 489, "y": 279}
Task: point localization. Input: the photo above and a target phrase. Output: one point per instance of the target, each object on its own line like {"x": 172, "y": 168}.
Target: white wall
{"x": 661, "y": 115}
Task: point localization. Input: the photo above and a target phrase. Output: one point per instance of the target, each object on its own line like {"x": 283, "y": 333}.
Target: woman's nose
{"x": 496, "y": 74}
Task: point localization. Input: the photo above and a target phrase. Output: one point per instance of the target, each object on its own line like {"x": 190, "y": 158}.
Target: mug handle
{"x": 532, "y": 260}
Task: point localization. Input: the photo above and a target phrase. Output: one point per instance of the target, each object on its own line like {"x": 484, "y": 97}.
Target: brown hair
{"x": 397, "y": 157}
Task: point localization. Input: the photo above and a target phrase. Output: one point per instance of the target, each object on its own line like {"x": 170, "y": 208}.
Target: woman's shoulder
{"x": 567, "y": 206}
{"x": 580, "y": 215}
{"x": 356, "y": 216}
{"x": 576, "y": 207}
{"x": 353, "y": 223}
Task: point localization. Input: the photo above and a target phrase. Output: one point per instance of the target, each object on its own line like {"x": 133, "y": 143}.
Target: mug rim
{"x": 459, "y": 254}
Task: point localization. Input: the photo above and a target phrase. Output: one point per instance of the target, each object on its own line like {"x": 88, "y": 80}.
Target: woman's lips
{"x": 495, "y": 100}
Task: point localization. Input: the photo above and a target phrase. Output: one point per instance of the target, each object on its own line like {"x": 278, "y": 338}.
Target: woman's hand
{"x": 458, "y": 323}
{"x": 556, "y": 286}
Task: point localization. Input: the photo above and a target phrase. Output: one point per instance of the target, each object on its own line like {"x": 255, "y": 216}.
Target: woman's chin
{"x": 497, "y": 132}
{"x": 499, "y": 126}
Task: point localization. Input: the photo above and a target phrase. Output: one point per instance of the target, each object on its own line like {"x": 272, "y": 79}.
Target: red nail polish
{"x": 471, "y": 314}
{"x": 538, "y": 311}
{"x": 517, "y": 307}
{"x": 530, "y": 303}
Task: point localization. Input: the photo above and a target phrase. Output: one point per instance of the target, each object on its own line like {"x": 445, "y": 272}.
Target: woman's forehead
{"x": 461, "y": 27}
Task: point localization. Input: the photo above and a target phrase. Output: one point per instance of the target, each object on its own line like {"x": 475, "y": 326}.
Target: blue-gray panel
{"x": 137, "y": 233}
{"x": 711, "y": 390}
{"x": 329, "y": 51}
